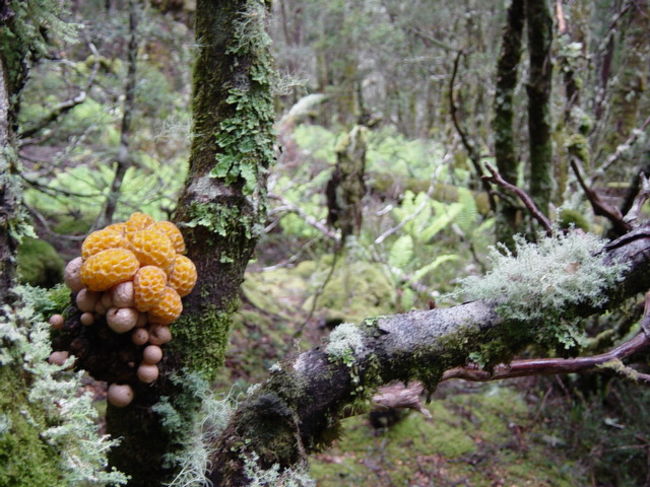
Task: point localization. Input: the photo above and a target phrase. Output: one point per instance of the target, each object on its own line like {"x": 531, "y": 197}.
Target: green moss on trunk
{"x": 540, "y": 36}
{"x": 220, "y": 212}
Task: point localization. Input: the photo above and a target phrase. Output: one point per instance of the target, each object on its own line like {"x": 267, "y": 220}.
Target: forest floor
{"x": 479, "y": 435}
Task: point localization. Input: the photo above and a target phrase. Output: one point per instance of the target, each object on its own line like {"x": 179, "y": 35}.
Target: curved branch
{"x": 308, "y": 395}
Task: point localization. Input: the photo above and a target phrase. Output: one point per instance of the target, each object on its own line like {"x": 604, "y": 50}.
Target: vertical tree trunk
{"x": 540, "y": 36}
{"x": 507, "y": 224}
{"x": 220, "y": 211}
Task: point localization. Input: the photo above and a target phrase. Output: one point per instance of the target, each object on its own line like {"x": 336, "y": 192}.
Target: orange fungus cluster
{"x": 134, "y": 275}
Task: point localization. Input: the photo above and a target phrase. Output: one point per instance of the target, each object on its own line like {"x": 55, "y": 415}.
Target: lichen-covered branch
{"x": 297, "y": 409}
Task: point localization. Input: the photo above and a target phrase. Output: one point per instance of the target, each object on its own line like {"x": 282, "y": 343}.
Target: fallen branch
{"x": 497, "y": 179}
{"x": 308, "y": 394}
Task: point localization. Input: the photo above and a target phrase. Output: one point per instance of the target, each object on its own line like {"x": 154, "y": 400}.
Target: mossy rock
{"x": 39, "y": 264}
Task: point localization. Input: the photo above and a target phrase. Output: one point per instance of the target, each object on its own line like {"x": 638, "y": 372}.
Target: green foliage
{"x": 606, "y": 432}
{"x": 39, "y": 264}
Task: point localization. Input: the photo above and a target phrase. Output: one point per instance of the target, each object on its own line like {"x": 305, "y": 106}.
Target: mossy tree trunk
{"x": 508, "y": 222}
{"x": 540, "y": 35}
{"x": 220, "y": 211}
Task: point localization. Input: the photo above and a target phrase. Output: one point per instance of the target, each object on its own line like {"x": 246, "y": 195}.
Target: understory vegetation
{"x": 387, "y": 219}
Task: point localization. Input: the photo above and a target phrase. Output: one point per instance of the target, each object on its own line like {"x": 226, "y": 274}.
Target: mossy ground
{"x": 480, "y": 436}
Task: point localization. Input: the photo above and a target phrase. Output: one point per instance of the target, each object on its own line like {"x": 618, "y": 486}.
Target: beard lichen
{"x": 546, "y": 283}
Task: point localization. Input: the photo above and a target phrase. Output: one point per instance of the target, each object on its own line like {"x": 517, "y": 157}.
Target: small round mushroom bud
{"x": 56, "y": 321}
{"x": 159, "y": 334}
{"x": 72, "y": 275}
{"x": 58, "y": 358}
{"x": 86, "y": 300}
{"x": 123, "y": 296}
{"x": 140, "y": 336}
{"x": 120, "y": 395}
{"x": 87, "y": 319}
{"x": 121, "y": 320}
{"x": 152, "y": 354}
{"x": 147, "y": 373}
{"x": 142, "y": 320}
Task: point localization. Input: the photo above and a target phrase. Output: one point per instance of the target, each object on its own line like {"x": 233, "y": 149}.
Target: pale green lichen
{"x": 273, "y": 477}
{"x": 198, "y": 433}
{"x": 345, "y": 343}
{"x": 69, "y": 426}
{"x": 541, "y": 280}
{"x": 246, "y": 139}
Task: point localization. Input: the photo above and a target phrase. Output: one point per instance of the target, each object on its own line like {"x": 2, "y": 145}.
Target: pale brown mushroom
{"x": 121, "y": 320}
{"x": 140, "y": 336}
{"x": 122, "y": 295}
{"x": 58, "y": 358}
{"x": 159, "y": 334}
{"x": 119, "y": 395}
{"x": 147, "y": 373}
{"x": 72, "y": 275}
{"x": 86, "y": 300}
{"x": 56, "y": 321}
{"x": 152, "y": 354}
{"x": 87, "y": 319}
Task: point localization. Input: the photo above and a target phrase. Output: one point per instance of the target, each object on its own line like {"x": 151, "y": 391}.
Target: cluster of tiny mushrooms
{"x": 134, "y": 274}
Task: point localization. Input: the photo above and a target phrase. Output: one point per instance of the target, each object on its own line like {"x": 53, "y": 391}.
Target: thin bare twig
{"x": 497, "y": 179}
{"x": 123, "y": 159}
{"x": 621, "y": 148}
{"x": 644, "y": 193}
{"x": 599, "y": 206}
{"x": 469, "y": 145}
{"x": 550, "y": 366}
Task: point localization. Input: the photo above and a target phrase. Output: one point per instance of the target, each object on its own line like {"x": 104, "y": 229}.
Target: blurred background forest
{"x": 397, "y": 101}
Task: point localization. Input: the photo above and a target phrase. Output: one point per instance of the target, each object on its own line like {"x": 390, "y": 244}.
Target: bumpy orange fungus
{"x": 102, "y": 240}
{"x": 107, "y": 268}
{"x": 148, "y": 285}
{"x": 152, "y": 248}
{"x": 138, "y": 221}
{"x": 117, "y": 227}
{"x": 174, "y": 234}
{"x": 183, "y": 277}
{"x": 167, "y": 308}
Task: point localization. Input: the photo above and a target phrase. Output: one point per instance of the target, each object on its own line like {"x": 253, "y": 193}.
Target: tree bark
{"x": 220, "y": 211}
{"x": 540, "y": 36}
{"x": 508, "y": 216}
{"x": 297, "y": 409}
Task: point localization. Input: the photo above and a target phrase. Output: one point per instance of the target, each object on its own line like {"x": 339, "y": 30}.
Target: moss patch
{"x": 39, "y": 264}
{"x": 481, "y": 439}
{"x": 25, "y": 460}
